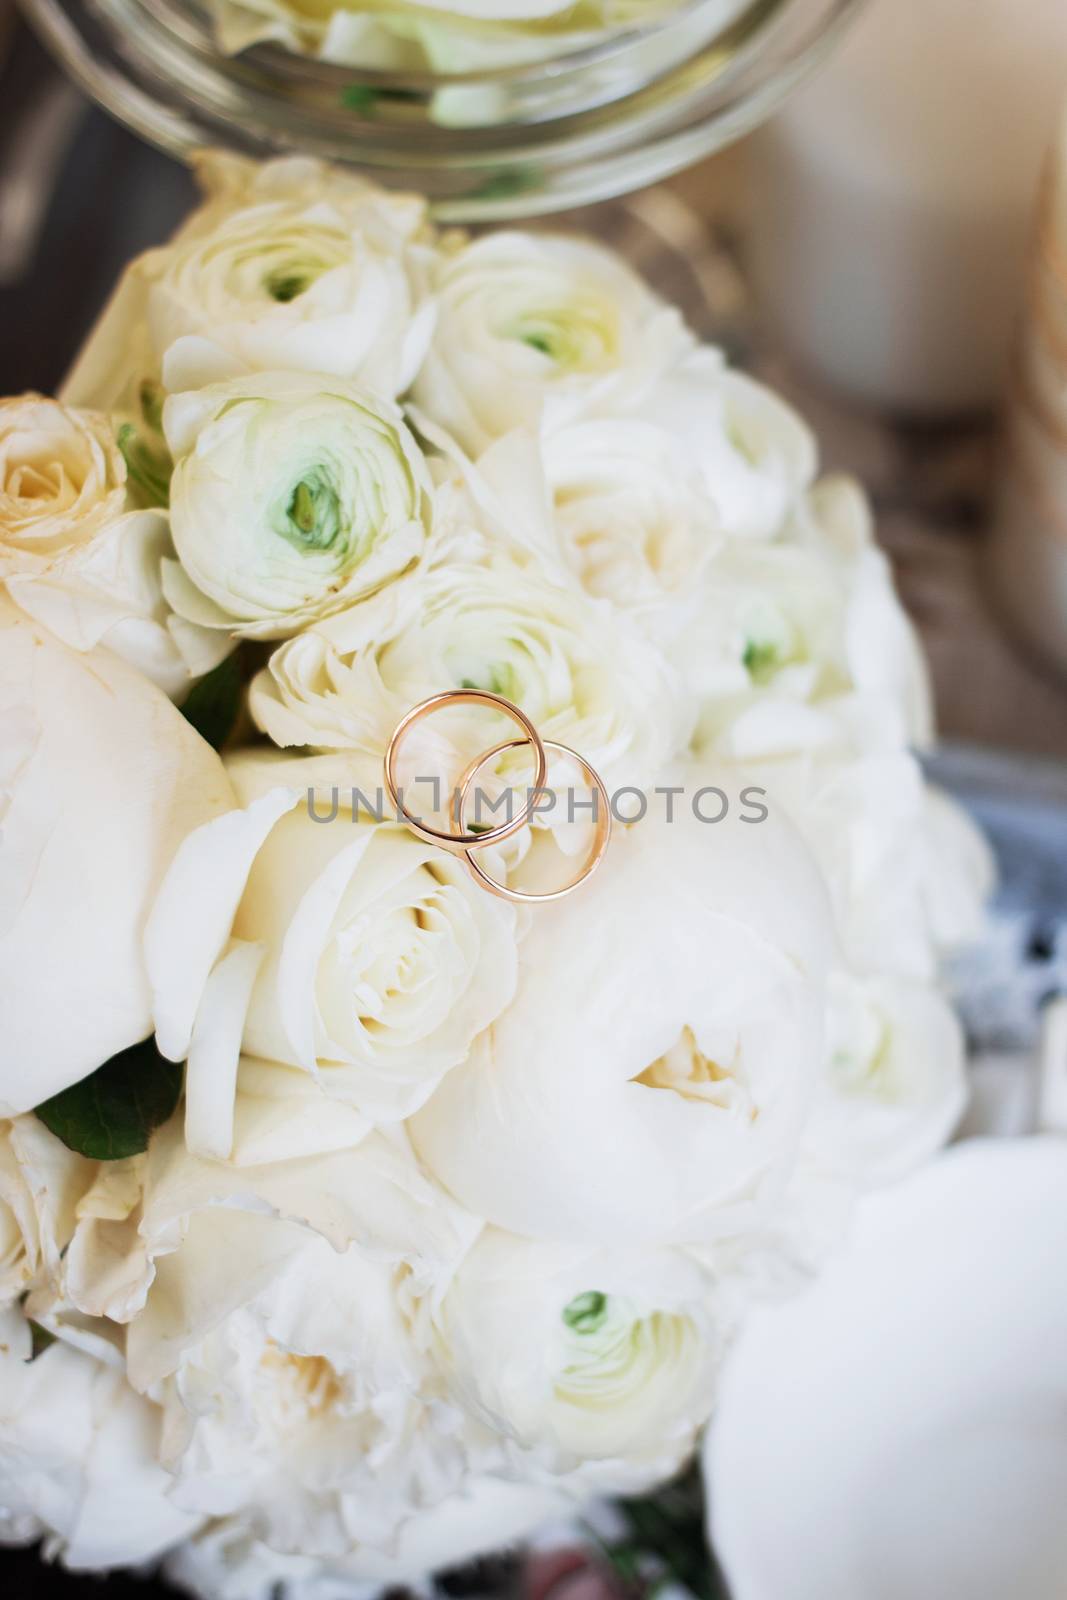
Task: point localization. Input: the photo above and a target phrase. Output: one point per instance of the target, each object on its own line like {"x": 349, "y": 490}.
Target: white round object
{"x": 899, "y": 1432}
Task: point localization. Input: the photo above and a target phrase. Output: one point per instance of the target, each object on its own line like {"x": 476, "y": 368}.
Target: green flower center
{"x": 286, "y": 283}
{"x": 586, "y": 1313}
{"x": 313, "y": 515}
{"x": 761, "y": 660}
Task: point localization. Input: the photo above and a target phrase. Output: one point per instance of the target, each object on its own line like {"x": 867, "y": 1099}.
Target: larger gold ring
{"x": 465, "y": 838}
{"x": 602, "y": 807}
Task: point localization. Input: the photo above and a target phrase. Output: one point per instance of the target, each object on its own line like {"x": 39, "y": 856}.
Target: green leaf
{"x": 41, "y": 1339}
{"x": 148, "y": 466}
{"x": 111, "y": 1114}
{"x": 212, "y": 704}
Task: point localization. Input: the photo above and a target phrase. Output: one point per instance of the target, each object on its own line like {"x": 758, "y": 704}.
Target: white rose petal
{"x": 104, "y": 779}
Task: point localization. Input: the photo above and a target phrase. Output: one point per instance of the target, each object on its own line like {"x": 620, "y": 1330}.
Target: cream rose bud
{"x": 289, "y": 265}
{"x": 529, "y": 320}
{"x": 78, "y": 1458}
{"x": 41, "y": 1184}
{"x": 586, "y": 675}
{"x": 578, "y": 1356}
{"x": 100, "y": 780}
{"x": 345, "y": 947}
{"x": 75, "y": 556}
{"x": 651, "y": 1077}
{"x": 894, "y": 1086}
{"x": 292, "y": 496}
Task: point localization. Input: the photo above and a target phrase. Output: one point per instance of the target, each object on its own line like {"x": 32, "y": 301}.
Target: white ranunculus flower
{"x": 909, "y": 874}
{"x": 756, "y": 455}
{"x": 529, "y": 320}
{"x": 588, "y": 677}
{"x": 100, "y": 780}
{"x": 632, "y": 514}
{"x": 74, "y": 555}
{"x": 78, "y": 1458}
{"x": 292, "y": 496}
{"x": 583, "y": 1356}
{"x": 894, "y": 1087}
{"x": 345, "y": 947}
{"x": 41, "y": 1183}
{"x": 651, "y": 1077}
{"x": 289, "y": 265}
{"x": 802, "y": 645}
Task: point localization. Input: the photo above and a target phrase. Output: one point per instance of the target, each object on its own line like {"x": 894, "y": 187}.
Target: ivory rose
{"x": 77, "y": 555}
{"x": 292, "y": 496}
{"x": 100, "y": 781}
{"x": 346, "y": 948}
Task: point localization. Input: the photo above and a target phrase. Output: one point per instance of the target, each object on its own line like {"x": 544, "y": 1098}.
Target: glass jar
{"x": 592, "y": 120}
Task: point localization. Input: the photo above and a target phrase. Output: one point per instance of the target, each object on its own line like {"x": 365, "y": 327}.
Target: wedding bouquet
{"x": 354, "y": 1218}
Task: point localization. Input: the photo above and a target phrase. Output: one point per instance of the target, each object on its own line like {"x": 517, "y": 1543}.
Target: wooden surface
{"x": 930, "y": 484}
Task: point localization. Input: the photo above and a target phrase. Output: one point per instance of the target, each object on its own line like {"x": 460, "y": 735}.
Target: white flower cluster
{"x": 461, "y": 1203}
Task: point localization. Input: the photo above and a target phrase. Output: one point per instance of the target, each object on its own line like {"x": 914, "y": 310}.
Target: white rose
{"x": 895, "y": 1086}
{"x": 78, "y": 1458}
{"x": 289, "y": 265}
{"x": 651, "y": 1077}
{"x": 347, "y": 948}
{"x": 527, "y": 320}
{"x": 100, "y": 780}
{"x": 41, "y": 1183}
{"x": 588, "y": 677}
{"x": 75, "y": 556}
{"x": 583, "y": 1356}
{"x": 292, "y": 496}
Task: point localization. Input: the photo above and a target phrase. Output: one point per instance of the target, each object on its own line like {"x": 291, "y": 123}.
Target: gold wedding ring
{"x": 469, "y": 840}
{"x": 602, "y": 812}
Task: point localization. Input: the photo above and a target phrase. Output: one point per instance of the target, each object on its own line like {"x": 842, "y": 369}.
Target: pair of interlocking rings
{"x": 467, "y": 841}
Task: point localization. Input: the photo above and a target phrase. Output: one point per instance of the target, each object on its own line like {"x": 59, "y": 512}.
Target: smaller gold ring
{"x": 465, "y": 839}
{"x": 600, "y": 841}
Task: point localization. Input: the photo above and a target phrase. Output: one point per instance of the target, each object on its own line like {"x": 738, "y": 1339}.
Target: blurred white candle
{"x": 893, "y": 197}
{"x": 1028, "y": 548}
